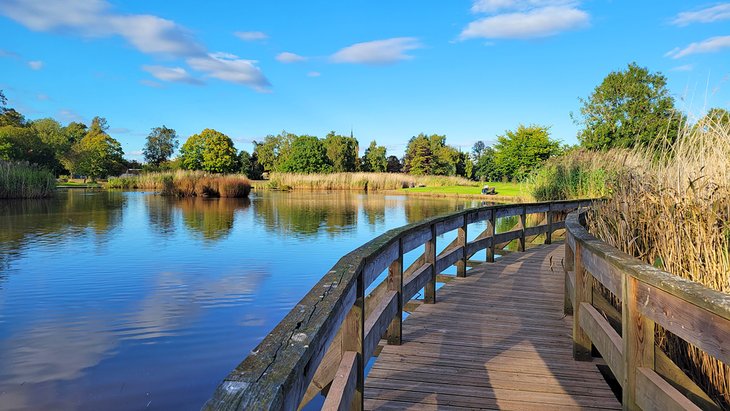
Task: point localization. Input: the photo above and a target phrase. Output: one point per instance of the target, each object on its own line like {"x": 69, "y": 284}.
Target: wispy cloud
{"x": 9, "y": 54}
{"x": 150, "y": 83}
{"x": 251, "y": 35}
{"x": 314, "y": 74}
{"x": 42, "y": 97}
{"x": 172, "y": 74}
{"x": 287, "y": 57}
{"x": 35, "y": 64}
{"x": 711, "y": 45}
{"x": 69, "y": 115}
{"x": 231, "y": 68}
{"x": 524, "y": 19}
{"x": 707, "y": 15}
{"x": 387, "y": 51}
{"x": 685, "y": 67}
{"x": 147, "y": 33}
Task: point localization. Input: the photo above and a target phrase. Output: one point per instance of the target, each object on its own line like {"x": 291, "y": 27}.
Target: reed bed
{"x": 186, "y": 184}
{"x": 361, "y": 181}
{"x": 577, "y": 174}
{"x": 671, "y": 208}
{"x": 25, "y": 180}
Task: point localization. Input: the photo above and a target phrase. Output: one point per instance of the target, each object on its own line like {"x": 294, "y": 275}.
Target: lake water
{"x": 129, "y": 300}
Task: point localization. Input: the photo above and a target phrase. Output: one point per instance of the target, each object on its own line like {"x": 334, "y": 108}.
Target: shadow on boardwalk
{"x": 494, "y": 340}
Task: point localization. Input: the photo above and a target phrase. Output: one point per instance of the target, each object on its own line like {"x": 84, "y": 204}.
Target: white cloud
{"x": 707, "y": 15}
{"x": 314, "y": 74}
{"x": 35, "y": 64}
{"x": 539, "y": 22}
{"x": 173, "y": 74}
{"x": 229, "y": 67}
{"x": 150, "y": 83}
{"x": 69, "y": 115}
{"x": 251, "y": 35}
{"x": 147, "y": 33}
{"x": 377, "y": 52}
{"x": 711, "y": 45}
{"x": 493, "y": 6}
{"x": 287, "y": 57}
{"x": 686, "y": 67}
{"x": 42, "y": 97}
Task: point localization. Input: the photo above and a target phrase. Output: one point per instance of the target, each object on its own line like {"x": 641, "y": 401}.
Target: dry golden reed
{"x": 361, "y": 181}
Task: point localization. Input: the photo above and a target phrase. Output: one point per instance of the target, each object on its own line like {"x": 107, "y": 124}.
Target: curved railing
{"x": 648, "y": 296}
{"x": 324, "y": 342}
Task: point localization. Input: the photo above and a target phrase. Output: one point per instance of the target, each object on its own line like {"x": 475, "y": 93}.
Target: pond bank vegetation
{"x": 24, "y": 180}
{"x": 186, "y": 184}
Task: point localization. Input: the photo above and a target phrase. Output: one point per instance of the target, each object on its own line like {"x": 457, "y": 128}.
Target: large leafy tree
{"x": 374, "y": 158}
{"x": 8, "y": 116}
{"x": 394, "y": 165}
{"x": 161, "y": 143}
{"x": 430, "y": 155}
{"x": 342, "y": 152}
{"x": 484, "y": 167}
{"x": 419, "y": 156}
{"x": 519, "y": 152}
{"x": 24, "y": 144}
{"x": 250, "y": 165}
{"x": 274, "y": 150}
{"x": 629, "y": 108}
{"x": 97, "y": 154}
{"x": 210, "y": 151}
{"x": 307, "y": 155}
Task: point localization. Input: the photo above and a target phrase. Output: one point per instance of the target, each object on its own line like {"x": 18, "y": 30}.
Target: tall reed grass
{"x": 186, "y": 184}
{"x": 25, "y": 180}
{"x": 361, "y": 181}
{"x": 577, "y": 174}
{"x": 671, "y": 208}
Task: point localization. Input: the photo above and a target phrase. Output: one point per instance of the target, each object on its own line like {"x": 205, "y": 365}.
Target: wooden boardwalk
{"x": 496, "y": 339}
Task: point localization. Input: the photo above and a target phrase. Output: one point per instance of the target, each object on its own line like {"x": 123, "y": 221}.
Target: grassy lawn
{"x": 503, "y": 189}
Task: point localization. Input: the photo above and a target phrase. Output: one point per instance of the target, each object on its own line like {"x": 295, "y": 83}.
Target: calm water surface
{"x": 129, "y": 300}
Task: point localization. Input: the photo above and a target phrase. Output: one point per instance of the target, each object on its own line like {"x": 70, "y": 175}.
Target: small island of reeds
{"x": 186, "y": 184}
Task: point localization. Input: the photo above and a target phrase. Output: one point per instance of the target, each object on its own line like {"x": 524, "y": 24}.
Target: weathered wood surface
{"x": 496, "y": 339}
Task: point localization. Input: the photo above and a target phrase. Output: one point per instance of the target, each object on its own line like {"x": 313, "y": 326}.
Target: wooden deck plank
{"x": 496, "y": 339}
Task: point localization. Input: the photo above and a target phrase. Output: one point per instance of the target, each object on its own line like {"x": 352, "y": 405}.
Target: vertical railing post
{"x": 568, "y": 266}
{"x": 353, "y": 340}
{"x": 582, "y": 292}
{"x": 493, "y": 230}
{"x": 461, "y": 239}
{"x": 549, "y": 233}
{"x": 523, "y": 223}
{"x": 637, "y": 332}
{"x": 395, "y": 283}
{"x": 429, "y": 296}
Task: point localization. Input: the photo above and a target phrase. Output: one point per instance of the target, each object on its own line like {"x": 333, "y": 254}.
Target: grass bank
{"x": 186, "y": 184}
{"x": 359, "y": 181}
{"x": 24, "y": 180}
{"x": 505, "y": 191}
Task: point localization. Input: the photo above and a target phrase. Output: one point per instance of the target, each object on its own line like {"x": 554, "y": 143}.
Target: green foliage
{"x": 307, "y": 155}
{"x": 374, "y": 159}
{"x": 24, "y": 180}
{"x": 430, "y": 155}
{"x": 573, "y": 175}
{"x": 24, "y": 144}
{"x": 484, "y": 167}
{"x": 629, "y": 108}
{"x": 161, "y": 143}
{"x": 210, "y": 151}
{"x": 518, "y": 153}
{"x": 250, "y": 165}
{"x": 342, "y": 152}
{"x": 97, "y": 154}
{"x": 394, "y": 165}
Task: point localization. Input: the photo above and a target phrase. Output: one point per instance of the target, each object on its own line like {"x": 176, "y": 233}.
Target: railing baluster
{"x": 583, "y": 292}
{"x": 430, "y": 288}
{"x": 549, "y": 234}
{"x": 395, "y": 283}
{"x": 523, "y": 223}
{"x": 461, "y": 237}
{"x": 568, "y": 266}
{"x": 637, "y": 332}
{"x": 493, "y": 230}
{"x": 353, "y": 339}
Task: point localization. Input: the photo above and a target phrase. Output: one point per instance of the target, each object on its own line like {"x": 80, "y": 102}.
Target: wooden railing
{"x": 649, "y": 297}
{"x": 324, "y": 342}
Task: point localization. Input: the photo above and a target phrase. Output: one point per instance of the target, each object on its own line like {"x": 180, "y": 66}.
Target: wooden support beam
{"x": 653, "y": 393}
{"x": 341, "y": 395}
{"x": 492, "y": 230}
{"x": 353, "y": 339}
{"x": 582, "y": 293}
{"x": 523, "y": 224}
{"x": 549, "y": 234}
{"x": 568, "y": 267}
{"x": 430, "y": 288}
{"x": 395, "y": 283}
{"x": 461, "y": 239}
{"x": 637, "y": 332}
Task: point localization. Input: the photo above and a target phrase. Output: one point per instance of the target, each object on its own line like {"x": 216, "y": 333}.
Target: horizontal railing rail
{"x": 324, "y": 342}
{"x": 649, "y": 296}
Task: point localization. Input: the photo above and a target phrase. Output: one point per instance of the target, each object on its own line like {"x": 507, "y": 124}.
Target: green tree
{"x": 419, "y": 156}
{"x": 715, "y": 117}
{"x": 629, "y": 108}
{"x": 55, "y": 137}
{"x": 518, "y": 153}
{"x": 8, "y": 116}
{"x": 210, "y": 151}
{"x": 430, "y": 155}
{"x": 342, "y": 152}
{"x": 24, "y": 144}
{"x": 394, "y": 165}
{"x": 97, "y": 154}
{"x": 307, "y": 155}
{"x": 250, "y": 165}
{"x": 484, "y": 167}
{"x": 161, "y": 143}
{"x": 274, "y": 150}
{"x": 374, "y": 158}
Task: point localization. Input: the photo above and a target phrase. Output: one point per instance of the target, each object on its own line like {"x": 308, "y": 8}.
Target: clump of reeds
{"x": 671, "y": 208}
{"x": 360, "y": 181}
{"x": 25, "y": 180}
{"x": 183, "y": 183}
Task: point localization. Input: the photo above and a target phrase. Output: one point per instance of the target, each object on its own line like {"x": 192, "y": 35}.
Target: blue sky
{"x": 470, "y": 69}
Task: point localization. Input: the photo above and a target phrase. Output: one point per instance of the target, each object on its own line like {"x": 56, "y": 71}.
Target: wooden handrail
{"x": 649, "y": 296}
{"x": 325, "y": 340}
